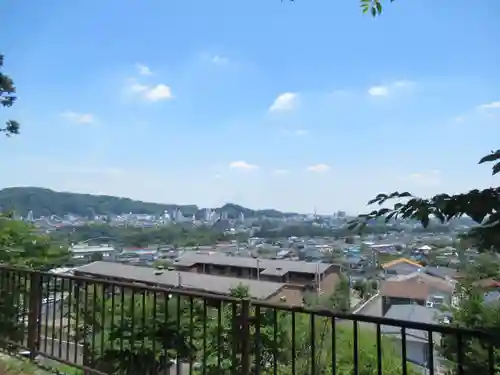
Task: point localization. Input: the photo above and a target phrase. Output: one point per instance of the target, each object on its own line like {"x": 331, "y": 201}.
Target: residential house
{"x": 417, "y": 341}
{"x": 415, "y": 289}
{"x": 304, "y": 276}
{"x": 445, "y": 273}
{"x": 401, "y": 266}
{"x": 491, "y": 289}
{"x": 353, "y": 262}
{"x": 189, "y": 281}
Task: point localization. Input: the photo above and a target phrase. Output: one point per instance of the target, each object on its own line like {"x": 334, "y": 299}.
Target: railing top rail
{"x": 435, "y": 328}
{"x": 128, "y": 284}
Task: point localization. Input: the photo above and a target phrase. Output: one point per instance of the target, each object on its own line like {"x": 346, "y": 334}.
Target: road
{"x": 372, "y": 308}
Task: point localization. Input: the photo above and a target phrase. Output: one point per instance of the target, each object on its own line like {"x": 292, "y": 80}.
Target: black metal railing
{"x": 107, "y": 327}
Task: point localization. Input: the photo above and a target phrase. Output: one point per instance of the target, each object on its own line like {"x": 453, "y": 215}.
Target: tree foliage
{"x": 175, "y": 235}
{"x": 21, "y": 245}
{"x": 146, "y": 332}
{"x": 46, "y": 202}
{"x": 138, "y": 332}
{"x": 482, "y": 206}
{"x": 475, "y": 312}
{"x": 7, "y": 99}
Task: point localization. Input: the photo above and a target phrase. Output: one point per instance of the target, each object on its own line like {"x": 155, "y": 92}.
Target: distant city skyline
{"x": 285, "y": 105}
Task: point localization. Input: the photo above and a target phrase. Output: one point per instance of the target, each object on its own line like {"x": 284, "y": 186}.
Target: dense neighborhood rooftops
{"x": 399, "y": 261}
{"x": 268, "y": 266}
{"x": 188, "y": 280}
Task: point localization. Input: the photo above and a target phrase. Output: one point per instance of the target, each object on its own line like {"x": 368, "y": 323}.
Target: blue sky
{"x": 263, "y": 103}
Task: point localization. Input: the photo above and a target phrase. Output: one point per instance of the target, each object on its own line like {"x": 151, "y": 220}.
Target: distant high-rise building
{"x": 179, "y": 217}
{"x": 208, "y": 214}
{"x": 30, "y": 216}
{"x": 242, "y": 217}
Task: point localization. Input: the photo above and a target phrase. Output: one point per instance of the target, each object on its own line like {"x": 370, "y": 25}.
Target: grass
{"x": 18, "y": 366}
{"x": 22, "y": 366}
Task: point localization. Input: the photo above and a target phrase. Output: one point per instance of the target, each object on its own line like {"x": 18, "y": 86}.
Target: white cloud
{"x": 426, "y": 179}
{"x": 285, "y": 102}
{"x": 80, "y": 118}
{"x": 492, "y": 105}
{"x": 242, "y": 165}
{"x": 318, "y": 168}
{"x": 378, "y": 91}
{"x": 385, "y": 90}
{"x": 159, "y": 92}
{"x": 143, "y": 70}
{"x": 153, "y": 93}
{"x": 79, "y": 174}
{"x": 219, "y": 60}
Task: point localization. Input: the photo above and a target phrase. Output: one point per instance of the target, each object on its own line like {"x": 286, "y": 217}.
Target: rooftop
{"x": 399, "y": 261}
{"x": 188, "y": 280}
{"x": 423, "y": 277}
{"x": 268, "y": 266}
{"x": 412, "y": 313}
{"x": 415, "y": 286}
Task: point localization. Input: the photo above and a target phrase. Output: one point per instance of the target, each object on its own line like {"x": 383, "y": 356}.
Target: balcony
{"x": 106, "y": 327}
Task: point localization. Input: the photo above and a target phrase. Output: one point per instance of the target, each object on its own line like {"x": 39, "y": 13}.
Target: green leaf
{"x": 494, "y": 155}
{"x": 496, "y": 169}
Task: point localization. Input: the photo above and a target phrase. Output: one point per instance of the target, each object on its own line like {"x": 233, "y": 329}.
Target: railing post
{"x": 35, "y": 301}
{"x": 245, "y": 337}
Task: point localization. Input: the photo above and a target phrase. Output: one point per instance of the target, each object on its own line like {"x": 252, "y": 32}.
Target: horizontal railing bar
{"x": 139, "y": 286}
{"x": 444, "y": 329}
{"x": 126, "y": 284}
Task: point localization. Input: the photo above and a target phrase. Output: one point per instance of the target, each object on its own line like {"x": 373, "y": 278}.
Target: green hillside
{"x": 46, "y": 202}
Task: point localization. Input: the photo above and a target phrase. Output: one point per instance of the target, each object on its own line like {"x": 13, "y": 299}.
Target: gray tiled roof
{"x": 269, "y": 266}
{"x": 190, "y": 280}
{"x": 441, "y": 271}
{"x": 413, "y": 313}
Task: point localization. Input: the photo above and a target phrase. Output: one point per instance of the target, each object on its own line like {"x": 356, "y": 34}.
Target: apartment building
{"x": 303, "y": 276}
{"x": 189, "y": 281}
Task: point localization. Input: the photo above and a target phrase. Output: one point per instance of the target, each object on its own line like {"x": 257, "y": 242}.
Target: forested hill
{"x": 46, "y": 202}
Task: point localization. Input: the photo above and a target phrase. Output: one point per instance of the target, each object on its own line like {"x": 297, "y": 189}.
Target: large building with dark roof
{"x": 190, "y": 281}
{"x": 302, "y": 276}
